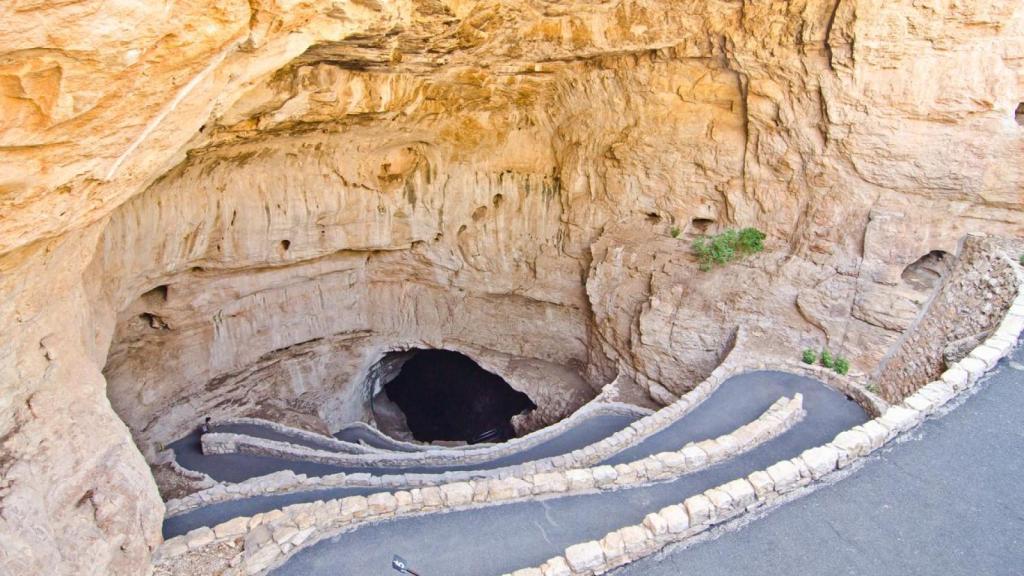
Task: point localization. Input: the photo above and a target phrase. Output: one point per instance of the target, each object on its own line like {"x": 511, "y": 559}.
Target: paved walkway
{"x": 503, "y": 538}
{"x": 238, "y": 467}
{"x": 945, "y": 502}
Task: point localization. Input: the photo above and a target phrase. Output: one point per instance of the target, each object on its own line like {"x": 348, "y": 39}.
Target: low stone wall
{"x": 227, "y": 443}
{"x": 264, "y": 540}
{"x": 304, "y": 436}
{"x": 696, "y": 514}
{"x": 970, "y": 302}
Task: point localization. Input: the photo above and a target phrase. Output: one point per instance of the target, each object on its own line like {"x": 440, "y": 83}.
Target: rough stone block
{"x": 956, "y": 377}
{"x": 585, "y": 556}
{"x": 200, "y": 537}
{"x": 855, "y": 442}
{"x": 604, "y": 475}
{"x": 636, "y": 539}
{"x": 233, "y": 527}
{"x": 432, "y": 497}
{"x": 499, "y": 489}
{"x": 528, "y": 572}
{"x": 381, "y": 503}
{"x": 975, "y": 368}
{"x": 301, "y": 536}
{"x": 784, "y": 475}
{"x": 403, "y": 501}
{"x": 876, "y": 433}
{"x": 457, "y": 494}
{"x": 821, "y": 460}
{"x": 676, "y": 518}
{"x": 695, "y": 457}
{"x": 762, "y": 483}
{"x": 580, "y": 479}
{"x": 714, "y": 451}
{"x": 987, "y": 354}
{"x": 550, "y": 483}
{"x": 900, "y": 418}
{"x": 920, "y": 403}
{"x": 613, "y": 548}
{"x": 656, "y": 524}
{"x": 741, "y": 492}
{"x": 556, "y": 566}
{"x": 722, "y": 505}
{"x": 354, "y": 507}
{"x": 699, "y": 509}
{"x": 284, "y": 533}
{"x": 729, "y": 445}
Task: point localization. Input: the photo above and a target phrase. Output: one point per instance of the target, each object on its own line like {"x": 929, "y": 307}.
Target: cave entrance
{"x": 446, "y": 396}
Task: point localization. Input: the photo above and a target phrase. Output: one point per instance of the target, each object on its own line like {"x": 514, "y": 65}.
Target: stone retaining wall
{"x": 970, "y": 302}
{"x": 696, "y": 514}
{"x": 266, "y": 539}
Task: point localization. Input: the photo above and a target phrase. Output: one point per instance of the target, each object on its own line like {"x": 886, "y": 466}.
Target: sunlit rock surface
{"x": 205, "y": 206}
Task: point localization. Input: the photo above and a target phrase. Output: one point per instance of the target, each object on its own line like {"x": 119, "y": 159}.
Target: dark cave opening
{"x": 447, "y": 396}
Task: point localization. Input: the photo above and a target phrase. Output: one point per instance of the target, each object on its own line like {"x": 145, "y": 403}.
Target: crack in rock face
{"x": 239, "y": 208}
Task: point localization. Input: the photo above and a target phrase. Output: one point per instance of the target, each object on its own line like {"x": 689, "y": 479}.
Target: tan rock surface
{"x": 205, "y": 206}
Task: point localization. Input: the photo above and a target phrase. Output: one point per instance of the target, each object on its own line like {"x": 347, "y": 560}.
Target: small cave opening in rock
{"x": 701, "y": 225}
{"x": 1019, "y": 114}
{"x": 446, "y": 396}
{"x": 925, "y": 273}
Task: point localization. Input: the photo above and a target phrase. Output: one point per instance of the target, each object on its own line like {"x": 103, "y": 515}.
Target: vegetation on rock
{"x": 810, "y": 356}
{"x": 724, "y": 247}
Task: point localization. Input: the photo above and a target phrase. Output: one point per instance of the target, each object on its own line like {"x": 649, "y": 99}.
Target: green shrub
{"x": 826, "y": 359}
{"x": 674, "y": 231}
{"x": 725, "y": 246}
{"x": 1022, "y": 259}
{"x": 873, "y": 388}
{"x": 810, "y": 356}
{"x": 842, "y": 365}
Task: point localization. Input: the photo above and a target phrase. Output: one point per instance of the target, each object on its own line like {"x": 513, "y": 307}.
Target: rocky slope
{"x": 239, "y": 206}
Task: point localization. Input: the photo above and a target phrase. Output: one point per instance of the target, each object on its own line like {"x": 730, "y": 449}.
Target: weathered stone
{"x": 585, "y": 556}
{"x": 457, "y": 494}
{"x": 762, "y": 483}
{"x": 656, "y": 524}
{"x": 821, "y": 460}
{"x": 676, "y": 518}
{"x": 556, "y": 566}
{"x": 381, "y": 503}
{"x": 199, "y": 537}
{"x": 699, "y": 509}
{"x": 900, "y": 418}
{"x": 695, "y": 457}
{"x": 784, "y": 475}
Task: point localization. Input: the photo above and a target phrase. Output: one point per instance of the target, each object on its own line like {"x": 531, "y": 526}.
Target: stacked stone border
{"x": 265, "y": 540}
{"x": 679, "y": 522}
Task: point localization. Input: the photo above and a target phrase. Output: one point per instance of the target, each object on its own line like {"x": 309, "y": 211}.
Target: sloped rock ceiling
{"x": 207, "y": 204}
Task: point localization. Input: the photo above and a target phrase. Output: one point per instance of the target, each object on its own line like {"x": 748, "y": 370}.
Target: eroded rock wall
{"x": 456, "y": 161}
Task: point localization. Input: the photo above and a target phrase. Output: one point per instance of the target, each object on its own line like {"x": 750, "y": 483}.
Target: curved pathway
{"x": 945, "y": 501}
{"x": 238, "y": 467}
{"x": 503, "y": 538}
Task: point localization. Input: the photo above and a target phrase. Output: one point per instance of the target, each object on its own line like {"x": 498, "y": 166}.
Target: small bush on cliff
{"x": 810, "y": 356}
{"x": 842, "y": 365}
{"x": 726, "y": 246}
{"x": 1022, "y": 259}
{"x": 826, "y": 359}
{"x": 675, "y": 231}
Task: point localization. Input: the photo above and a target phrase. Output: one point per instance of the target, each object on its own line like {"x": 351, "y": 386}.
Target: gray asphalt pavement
{"x": 503, "y": 538}
{"x": 237, "y": 467}
{"x": 947, "y": 501}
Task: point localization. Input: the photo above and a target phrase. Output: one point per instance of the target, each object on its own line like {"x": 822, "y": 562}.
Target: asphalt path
{"x": 947, "y": 500}
{"x": 238, "y": 467}
{"x": 500, "y": 539}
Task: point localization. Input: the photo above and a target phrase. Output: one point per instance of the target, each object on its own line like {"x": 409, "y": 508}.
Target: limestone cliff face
{"x": 229, "y": 207}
